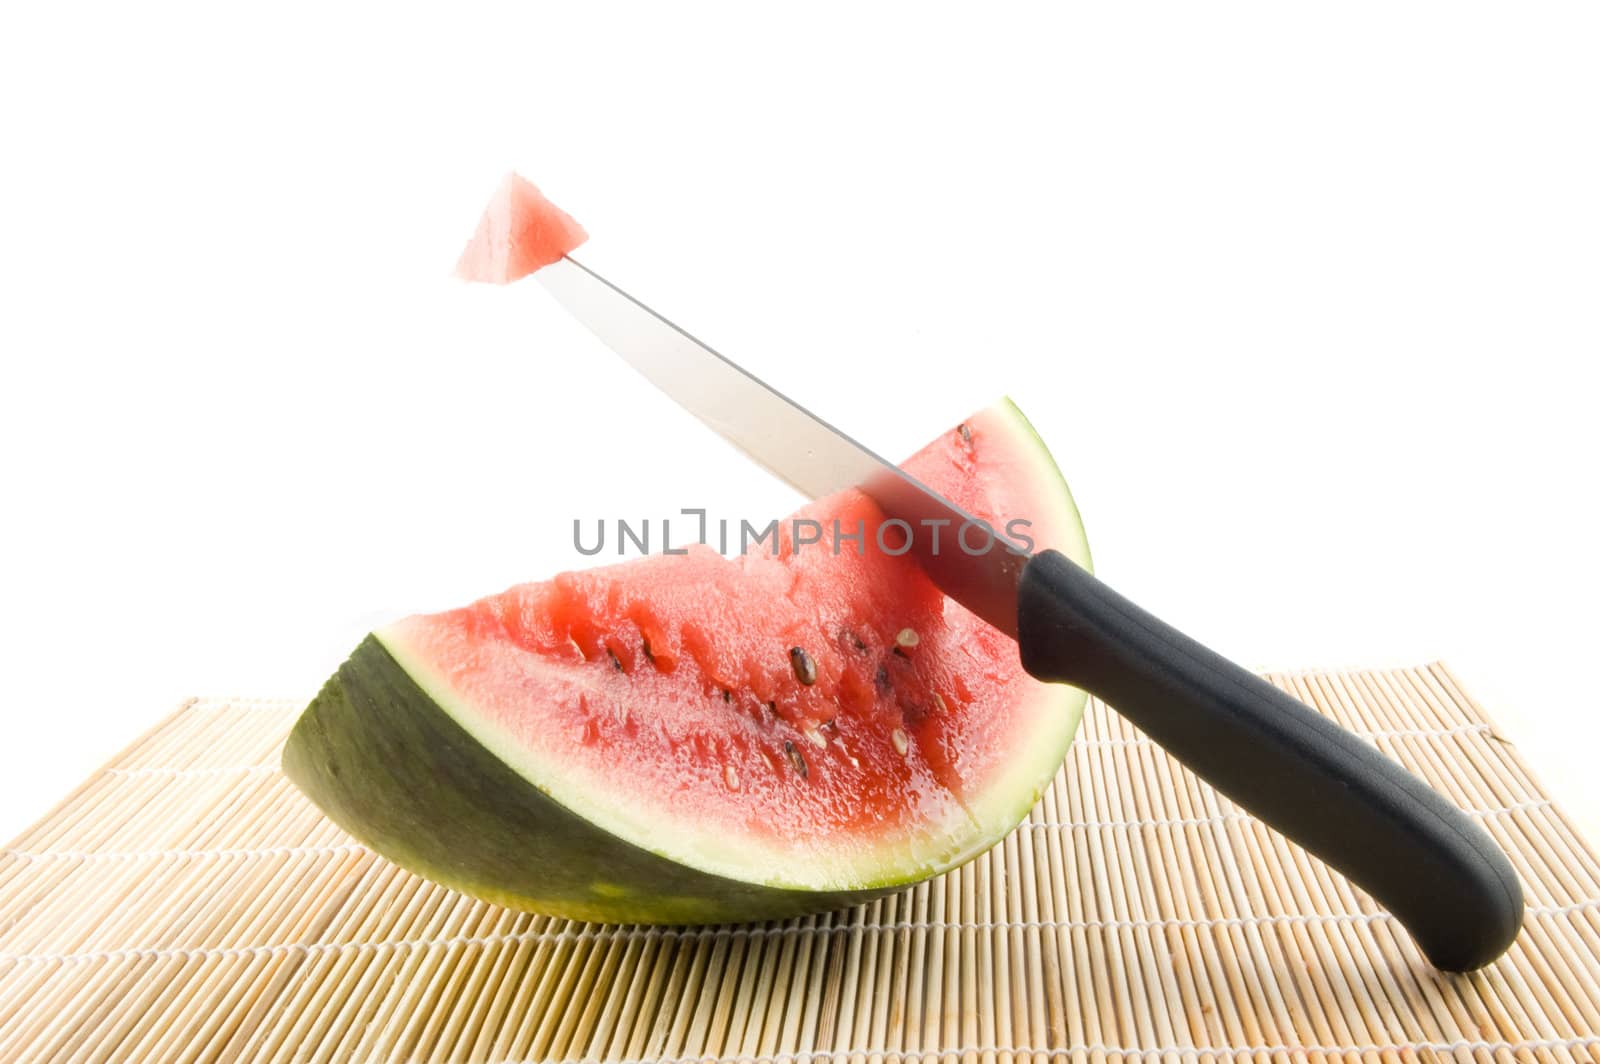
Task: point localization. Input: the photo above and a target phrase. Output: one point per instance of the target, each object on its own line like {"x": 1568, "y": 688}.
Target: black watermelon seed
{"x": 797, "y": 759}
{"x": 966, "y": 433}
{"x": 883, "y": 678}
{"x": 805, "y": 670}
{"x": 616, "y": 662}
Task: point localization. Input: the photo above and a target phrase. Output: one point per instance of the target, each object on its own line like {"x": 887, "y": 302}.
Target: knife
{"x": 1436, "y": 871}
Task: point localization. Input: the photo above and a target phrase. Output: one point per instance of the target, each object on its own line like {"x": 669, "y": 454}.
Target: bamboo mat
{"x": 186, "y": 903}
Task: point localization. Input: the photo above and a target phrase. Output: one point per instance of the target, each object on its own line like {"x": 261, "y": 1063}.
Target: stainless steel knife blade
{"x": 792, "y": 443}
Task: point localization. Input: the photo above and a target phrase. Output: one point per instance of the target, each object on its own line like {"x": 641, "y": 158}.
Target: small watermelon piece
{"x": 519, "y": 233}
{"x": 699, "y": 739}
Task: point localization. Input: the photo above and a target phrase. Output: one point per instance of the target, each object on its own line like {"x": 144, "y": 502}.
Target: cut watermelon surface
{"x": 693, "y": 738}
{"x": 520, "y": 232}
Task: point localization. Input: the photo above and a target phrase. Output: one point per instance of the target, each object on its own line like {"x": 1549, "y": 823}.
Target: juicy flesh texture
{"x": 673, "y": 680}
{"x": 519, "y": 233}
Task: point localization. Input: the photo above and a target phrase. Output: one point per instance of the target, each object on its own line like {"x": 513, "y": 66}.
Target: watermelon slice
{"x": 519, "y": 233}
{"x": 692, "y": 738}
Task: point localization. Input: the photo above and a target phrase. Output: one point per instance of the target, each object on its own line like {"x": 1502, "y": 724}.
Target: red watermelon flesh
{"x": 519, "y": 233}
{"x": 817, "y": 720}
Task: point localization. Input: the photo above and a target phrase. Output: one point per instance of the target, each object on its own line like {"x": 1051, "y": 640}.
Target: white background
{"x": 1303, "y": 299}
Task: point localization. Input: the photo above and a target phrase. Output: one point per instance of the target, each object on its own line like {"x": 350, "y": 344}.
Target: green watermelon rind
{"x": 386, "y": 753}
{"x": 378, "y": 755}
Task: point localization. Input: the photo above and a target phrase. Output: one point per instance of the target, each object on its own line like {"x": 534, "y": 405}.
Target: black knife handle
{"x": 1439, "y": 873}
